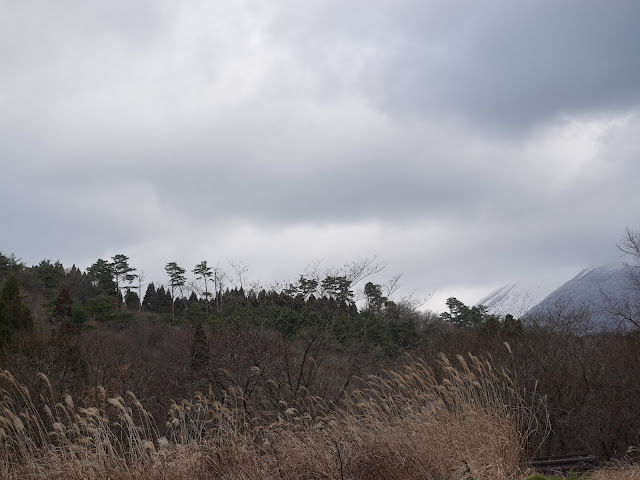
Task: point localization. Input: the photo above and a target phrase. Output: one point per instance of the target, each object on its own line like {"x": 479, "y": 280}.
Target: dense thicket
{"x": 311, "y": 339}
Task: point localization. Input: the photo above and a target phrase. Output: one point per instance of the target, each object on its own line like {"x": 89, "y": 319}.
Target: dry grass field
{"x": 468, "y": 421}
{"x": 463, "y": 420}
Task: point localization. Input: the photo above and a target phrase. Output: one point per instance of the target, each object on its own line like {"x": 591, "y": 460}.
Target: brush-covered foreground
{"x": 618, "y": 471}
{"x": 452, "y": 422}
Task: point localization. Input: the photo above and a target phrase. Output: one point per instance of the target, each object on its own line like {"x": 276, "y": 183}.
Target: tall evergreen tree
{"x": 50, "y": 274}
{"x": 176, "y": 280}
{"x": 150, "y": 301}
{"x": 204, "y": 272}
{"x": 101, "y": 275}
{"x": 131, "y": 300}
{"x": 463, "y": 316}
{"x": 375, "y": 299}
{"x": 9, "y": 265}
{"x": 164, "y": 300}
{"x": 63, "y": 310}
{"x": 122, "y": 274}
{"x": 338, "y": 288}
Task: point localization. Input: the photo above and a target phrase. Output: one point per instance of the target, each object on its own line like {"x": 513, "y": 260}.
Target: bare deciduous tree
{"x": 240, "y": 269}
{"x": 141, "y": 277}
{"x": 627, "y": 306}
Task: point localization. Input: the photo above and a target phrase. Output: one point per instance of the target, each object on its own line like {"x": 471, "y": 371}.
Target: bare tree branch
{"x": 630, "y": 243}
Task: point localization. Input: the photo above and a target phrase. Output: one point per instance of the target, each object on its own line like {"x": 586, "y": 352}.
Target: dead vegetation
{"x": 462, "y": 420}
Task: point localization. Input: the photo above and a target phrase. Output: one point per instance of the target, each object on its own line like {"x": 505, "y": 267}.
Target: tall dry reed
{"x": 454, "y": 421}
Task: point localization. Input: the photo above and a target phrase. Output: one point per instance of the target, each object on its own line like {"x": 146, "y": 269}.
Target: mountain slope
{"x": 517, "y": 298}
{"x": 589, "y": 289}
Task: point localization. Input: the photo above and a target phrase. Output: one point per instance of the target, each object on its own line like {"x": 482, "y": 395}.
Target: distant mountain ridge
{"x": 587, "y": 289}
{"x": 517, "y": 298}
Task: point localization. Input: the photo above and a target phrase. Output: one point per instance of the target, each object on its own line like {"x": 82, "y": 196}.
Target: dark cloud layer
{"x": 499, "y": 64}
{"x": 470, "y": 144}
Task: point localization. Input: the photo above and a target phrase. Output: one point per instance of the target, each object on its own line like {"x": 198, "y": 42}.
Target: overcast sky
{"x": 467, "y": 144}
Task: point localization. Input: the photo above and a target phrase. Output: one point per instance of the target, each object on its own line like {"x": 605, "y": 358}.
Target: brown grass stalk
{"x": 454, "y": 421}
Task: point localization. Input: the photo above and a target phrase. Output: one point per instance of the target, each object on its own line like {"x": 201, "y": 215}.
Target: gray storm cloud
{"x": 469, "y": 144}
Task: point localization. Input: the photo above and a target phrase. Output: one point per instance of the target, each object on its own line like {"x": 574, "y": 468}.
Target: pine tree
{"x": 9, "y": 265}
{"x": 101, "y": 275}
{"x": 163, "y": 301}
{"x": 131, "y": 300}
{"x": 122, "y": 274}
{"x": 204, "y": 272}
{"x": 50, "y": 274}
{"x": 150, "y": 302}
{"x": 176, "y": 280}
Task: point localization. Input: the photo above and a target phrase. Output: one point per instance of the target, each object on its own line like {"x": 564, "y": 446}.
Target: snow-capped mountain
{"x": 590, "y": 288}
{"x": 517, "y": 298}
{"x": 587, "y": 289}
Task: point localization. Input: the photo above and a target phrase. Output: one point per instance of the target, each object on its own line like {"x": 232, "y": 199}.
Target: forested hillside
{"x": 305, "y": 350}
